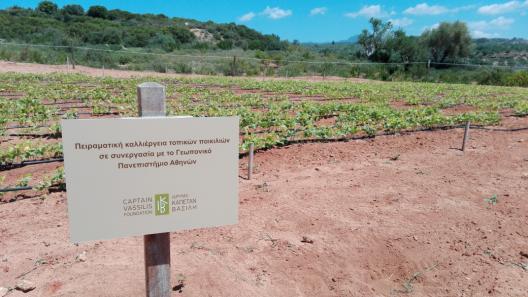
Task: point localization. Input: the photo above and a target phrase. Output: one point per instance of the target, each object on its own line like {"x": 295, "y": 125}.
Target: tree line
{"x": 447, "y": 43}
{"x": 72, "y": 25}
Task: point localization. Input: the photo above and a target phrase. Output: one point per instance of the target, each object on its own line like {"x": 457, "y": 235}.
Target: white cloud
{"x": 482, "y": 34}
{"x": 479, "y": 26}
{"x": 369, "y": 12}
{"x": 431, "y": 27}
{"x": 403, "y": 22}
{"x": 276, "y": 13}
{"x": 502, "y": 22}
{"x": 481, "y": 29}
{"x": 318, "y": 11}
{"x": 463, "y": 8}
{"x": 498, "y": 23}
{"x": 501, "y": 8}
{"x": 247, "y": 17}
{"x": 426, "y": 9}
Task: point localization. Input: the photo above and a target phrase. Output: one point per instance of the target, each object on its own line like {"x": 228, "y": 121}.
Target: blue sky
{"x": 330, "y": 20}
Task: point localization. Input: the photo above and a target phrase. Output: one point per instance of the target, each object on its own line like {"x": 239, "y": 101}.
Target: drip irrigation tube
{"x": 26, "y": 163}
{"x": 15, "y": 189}
{"x": 289, "y": 142}
{"x": 500, "y": 129}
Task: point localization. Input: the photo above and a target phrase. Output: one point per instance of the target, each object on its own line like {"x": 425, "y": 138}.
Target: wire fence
{"x": 228, "y": 63}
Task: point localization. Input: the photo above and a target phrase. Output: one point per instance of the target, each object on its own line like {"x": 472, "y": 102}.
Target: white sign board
{"x": 137, "y": 176}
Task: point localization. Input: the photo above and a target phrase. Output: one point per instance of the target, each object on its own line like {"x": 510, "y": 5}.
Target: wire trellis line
{"x": 230, "y": 57}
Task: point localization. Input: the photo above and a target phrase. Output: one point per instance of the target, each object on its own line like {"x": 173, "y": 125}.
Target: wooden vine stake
{"x": 466, "y": 136}
{"x": 250, "y": 160}
{"x": 151, "y": 103}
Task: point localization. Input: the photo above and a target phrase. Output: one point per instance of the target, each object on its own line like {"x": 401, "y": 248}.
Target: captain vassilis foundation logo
{"x": 161, "y": 204}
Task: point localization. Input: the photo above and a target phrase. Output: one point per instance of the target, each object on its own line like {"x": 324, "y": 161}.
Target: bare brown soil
{"x": 6, "y": 66}
{"x": 397, "y": 215}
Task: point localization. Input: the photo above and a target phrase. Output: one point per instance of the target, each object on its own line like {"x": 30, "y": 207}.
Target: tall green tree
{"x": 374, "y": 43}
{"x": 449, "y": 42}
{"x": 383, "y": 44}
{"x": 47, "y": 7}
{"x": 73, "y": 9}
{"x": 97, "y": 11}
{"x": 404, "y": 48}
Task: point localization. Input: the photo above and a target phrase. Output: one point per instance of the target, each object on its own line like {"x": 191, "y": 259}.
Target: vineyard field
{"x": 359, "y": 188}
{"x": 272, "y": 113}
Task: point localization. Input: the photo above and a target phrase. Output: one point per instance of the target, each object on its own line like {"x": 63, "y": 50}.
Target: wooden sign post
{"x": 154, "y": 175}
{"x": 151, "y": 103}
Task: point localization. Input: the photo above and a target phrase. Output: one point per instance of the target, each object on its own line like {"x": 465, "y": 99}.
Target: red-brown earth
{"x": 401, "y": 215}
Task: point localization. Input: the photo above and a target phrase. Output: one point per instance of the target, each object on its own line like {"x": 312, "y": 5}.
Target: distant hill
{"x": 352, "y": 39}
{"x": 72, "y": 25}
{"x": 502, "y": 51}
{"x": 130, "y": 35}
{"x": 349, "y": 41}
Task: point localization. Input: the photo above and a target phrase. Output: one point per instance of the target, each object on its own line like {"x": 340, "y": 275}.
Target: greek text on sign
{"x": 137, "y": 176}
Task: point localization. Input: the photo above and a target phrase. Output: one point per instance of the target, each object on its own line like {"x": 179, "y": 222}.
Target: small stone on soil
{"x": 3, "y": 291}
{"x": 82, "y": 257}
{"x": 25, "y": 286}
{"x": 307, "y": 240}
{"x": 181, "y": 283}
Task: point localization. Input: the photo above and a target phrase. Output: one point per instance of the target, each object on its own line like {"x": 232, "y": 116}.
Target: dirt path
{"x": 395, "y": 216}
{"x": 6, "y": 66}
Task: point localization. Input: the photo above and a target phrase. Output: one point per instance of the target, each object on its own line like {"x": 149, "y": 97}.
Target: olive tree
{"x": 375, "y": 43}
{"x": 448, "y": 42}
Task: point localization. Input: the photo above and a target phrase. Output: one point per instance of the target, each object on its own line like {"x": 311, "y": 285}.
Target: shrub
{"x": 159, "y": 67}
{"x": 47, "y": 7}
{"x": 517, "y": 79}
{"x": 97, "y": 11}
{"x": 163, "y": 41}
{"x": 73, "y": 9}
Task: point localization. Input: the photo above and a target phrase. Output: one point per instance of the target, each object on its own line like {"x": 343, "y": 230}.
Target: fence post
{"x": 72, "y": 51}
{"x": 151, "y": 103}
{"x": 466, "y": 135}
{"x": 233, "y": 69}
{"x": 250, "y": 160}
